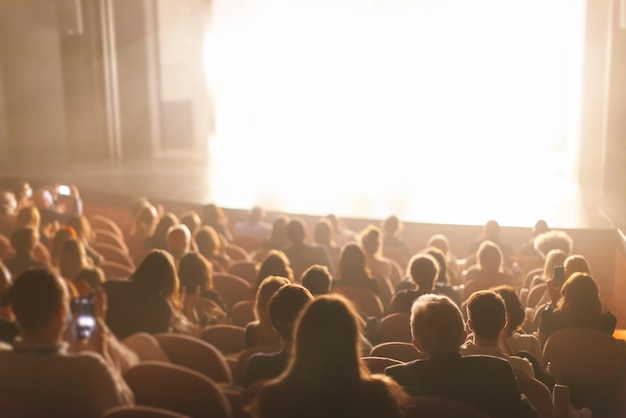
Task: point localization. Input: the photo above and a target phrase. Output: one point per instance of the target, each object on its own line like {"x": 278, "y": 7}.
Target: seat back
{"x": 395, "y": 328}
{"x": 246, "y": 269}
{"x": 236, "y": 253}
{"x": 379, "y": 364}
{"x": 591, "y": 363}
{"x": 228, "y": 339}
{"x": 242, "y": 313}
{"x": 195, "y": 354}
{"x": 365, "y": 301}
{"x": 178, "y": 389}
{"x": 231, "y": 288}
{"x": 106, "y": 224}
{"x": 530, "y": 276}
{"x": 114, "y": 254}
{"x": 248, "y": 243}
{"x": 15, "y": 408}
{"x": 538, "y": 395}
{"x": 434, "y": 407}
{"x": 385, "y": 290}
{"x": 106, "y": 237}
{"x": 403, "y": 352}
{"x": 115, "y": 270}
{"x": 535, "y": 294}
{"x": 146, "y": 347}
{"x": 244, "y": 356}
{"x": 141, "y": 412}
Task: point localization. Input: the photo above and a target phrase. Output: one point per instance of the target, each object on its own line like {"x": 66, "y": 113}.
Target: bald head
{"x": 178, "y": 240}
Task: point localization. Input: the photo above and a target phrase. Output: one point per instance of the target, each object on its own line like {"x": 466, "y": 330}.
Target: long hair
{"x": 576, "y": 264}
{"x": 352, "y": 265}
{"x": 275, "y": 263}
{"x": 158, "y": 240}
{"x": 195, "y": 271}
{"x": 580, "y": 302}
{"x": 208, "y": 242}
{"x": 371, "y": 241}
{"x": 157, "y": 276}
{"x": 269, "y": 286}
{"x": 28, "y": 216}
{"x": 554, "y": 258}
{"x": 72, "y": 258}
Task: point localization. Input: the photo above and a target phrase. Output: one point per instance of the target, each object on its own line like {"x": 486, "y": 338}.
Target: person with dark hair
{"x": 442, "y": 283}
{"x": 317, "y": 280}
{"x": 83, "y": 231}
{"x": 491, "y": 232}
{"x": 324, "y": 235}
{"x": 23, "y": 241}
{"x": 528, "y": 250}
{"x": 353, "y": 270}
{"x": 56, "y": 207}
{"x": 210, "y": 246}
{"x": 423, "y": 270}
{"x": 302, "y": 255}
{"x": 372, "y": 248}
{"x": 284, "y": 308}
{"x": 516, "y": 338}
{"x": 487, "y": 319}
{"x": 158, "y": 239}
{"x": 196, "y": 272}
{"x": 486, "y": 382}
{"x": 41, "y": 371}
{"x": 274, "y": 264}
{"x": 392, "y": 242}
{"x": 8, "y": 327}
{"x": 145, "y": 303}
{"x": 278, "y": 238}
{"x": 192, "y": 221}
{"x": 326, "y": 376}
{"x": 8, "y": 212}
{"x": 215, "y": 217}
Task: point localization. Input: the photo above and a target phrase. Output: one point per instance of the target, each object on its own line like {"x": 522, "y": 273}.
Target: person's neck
{"x": 47, "y": 336}
{"x": 285, "y": 345}
{"x": 485, "y": 342}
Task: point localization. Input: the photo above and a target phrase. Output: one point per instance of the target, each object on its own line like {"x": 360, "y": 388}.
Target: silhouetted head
{"x": 370, "y": 240}
{"x": 8, "y": 203}
{"x": 580, "y": 301}
{"x": 40, "y": 301}
{"x": 514, "y": 307}
{"x": 492, "y": 231}
{"x": 256, "y": 214}
{"x": 352, "y": 266}
{"x": 437, "y": 325}
{"x": 275, "y": 264}
{"x": 81, "y": 227}
{"x": 554, "y": 258}
{"x": 24, "y": 239}
{"x": 323, "y": 233}
{"x": 440, "y": 258}
{"x": 553, "y": 240}
{"x": 489, "y": 257}
{"x": 296, "y": 231}
{"x": 540, "y": 227}
{"x": 63, "y": 234}
{"x": 72, "y": 258}
{"x": 285, "y": 306}
{"x": 268, "y": 287}
{"x": 441, "y": 242}
{"x": 195, "y": 271}
{"x": 391, "y": 226}
{"x": 208, "y": 242}
{"x": 159, "y": 237}
{"x": 423, "y": 269}
{"x": 192, "y": 221}
{"x": 214, "y": 216}
{"x": 486, "y": 314}
{"x": 278, "y": 238}
{"x": 93, "y": 277}
{"x": 317, "y": 280}
{"x": 43, "y": 199}
{"x": 28, "y": 216}
{"x": 156, "y": 275}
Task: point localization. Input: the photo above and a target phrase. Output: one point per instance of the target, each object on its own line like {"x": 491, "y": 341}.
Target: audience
{"x": 528, "y": 250}
{"x": 84, "y": 233}
{"x": 8, "y": 212}
{"x": 24, "y": 241}
{"x": 278, "y": 238}
{"x": 72, "y": 259}
{"x": 317, "y": 280}
{"x": 423, "y": 271}
{"x": 261, "y": 332}
{"x": 376, "y": 263}
{"x": 254, "y": 226}
{"x": 143, "y": 228}
{"x": 284, "y": 308}
{"x": 196, "y": 272}
{"x": 210, "y": 246}
{"x": 158, "y": 239}
{"x": 215, "y": 218}
{"x": 353, "y": 270}
{"x": 486, "y": 382}
{"x": 343, "y": 235}
{"x": 274, "y": 264}
{"x": 442, "y": 283}
{"x": 491, "y": 233}
{"x": 326, "y": 376}
{"x": 489, "y": 270}
{"x": 553, "y": 240}
{"x": 8, "y": 328}
{"x": 393, "y": 244}
{"x": 324, "y": 235}
{"x": 178, "y": 241}
{"x": 44, "y": 371}
{"x": 302, "y": 255}
{"x": 487, "y": 319}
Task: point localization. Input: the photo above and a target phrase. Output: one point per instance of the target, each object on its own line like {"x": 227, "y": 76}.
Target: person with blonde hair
{"x": 326, "y": 376}
{"x": 72, "y": 259}
{"x": 261, "y": 332}
{"x": 489, "y": 269}
{"x": 275, "y": 263}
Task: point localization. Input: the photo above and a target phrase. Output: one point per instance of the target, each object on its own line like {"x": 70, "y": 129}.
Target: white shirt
{"x": 260, "y": 230}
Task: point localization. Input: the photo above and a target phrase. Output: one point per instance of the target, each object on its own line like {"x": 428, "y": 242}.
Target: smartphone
{"x": 64, "y": 190}
{"x": 84, "y": 312}
{"x": 559, "y": 276}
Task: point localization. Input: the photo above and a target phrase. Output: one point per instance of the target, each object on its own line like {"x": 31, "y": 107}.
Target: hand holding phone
{"x": 84, "y": 312}
{"x": 64, "y": 190}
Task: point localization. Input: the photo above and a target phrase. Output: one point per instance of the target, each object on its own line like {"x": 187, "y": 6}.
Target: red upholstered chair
{"x": 591, "y": 363}
{"x": 15, "y": 408}
{"x": 228, "y": 339}
{"x": 106, "y": 224}
{"x": 395, "y": 328}
{"x": 385, "y": 290}
{"x": 535, "y": 294}
{"x": 365, "y": 301}
{"x": 231, "y": 288}
{"x": 236, "y": 253}
{"x": 107, "y": 237}
{"x": 538, "y": 395}
{"x": 178, "y": 389}
{"x": 530, "y": 275}
{"x": 403, "y": 352}
{"x": 115, "y": 271}
{"x": 197, "y": 355}
{"x": 246, "y": 269}
{"x": 141, "y": 412}
{"x": 244, "y": 356}
{"x": 242, "y": 313}
{"x": 433, "y": 407}
{"x": 379, "y": 364}
{"x": 114, "y": 254}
